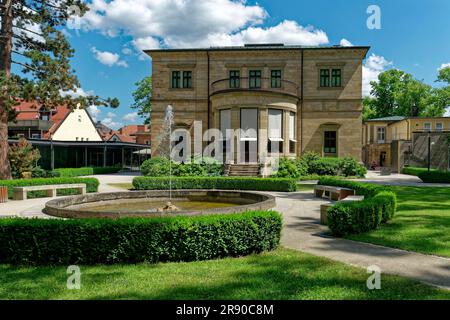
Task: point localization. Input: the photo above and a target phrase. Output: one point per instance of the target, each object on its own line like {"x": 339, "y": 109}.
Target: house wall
{"x": 77, "y": 126}
{"x": 321, "y": 108}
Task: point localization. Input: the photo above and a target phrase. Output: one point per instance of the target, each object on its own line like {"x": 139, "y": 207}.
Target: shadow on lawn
{"x": 280, "y": 275}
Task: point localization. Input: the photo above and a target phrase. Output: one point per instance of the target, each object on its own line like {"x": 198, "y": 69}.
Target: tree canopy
{"x": 398, "y": 93}
{"x": 142, "y": 98}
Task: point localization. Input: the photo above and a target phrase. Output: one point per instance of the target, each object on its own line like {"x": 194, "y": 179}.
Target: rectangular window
{"x": 330, "y": 142}
{"x": 427, "y": 126}
{"x": 292, "y": 139}
{"x": 336, "y": 79}
{"x": 381, "y": 134}
{"x": 324, "y": 78}
{"x": 235, "y": 79}
{"x": 176, "y": 78}
{"x": 254, "y": 79}
{"x": 275, "y": 130}
{"x": 36, "y": 136}
{"x": 187, "y": 79}
{"x": 275, "y": 78}
{"x": 439, "y": 126}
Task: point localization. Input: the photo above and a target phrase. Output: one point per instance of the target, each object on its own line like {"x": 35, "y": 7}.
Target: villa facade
{"x": 296, "y": 98}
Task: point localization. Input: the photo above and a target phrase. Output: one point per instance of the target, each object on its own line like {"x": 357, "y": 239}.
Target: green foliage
{"x": 38, "y": 172}
{"x": 156, "y": 167}
{"x": 91, "y": 185}
{"x": 224, "y": 183}
{"x": 378, "y": 207}
{"x": 86, "y": 171}
{"x": 288, "y": 168}
{"x": 133, "y": 240}
{"x": 435, "y": 176}
{"x": 414, "y": 171}
{"x": 160, "y": 167}
{"x": 349, "y": 166}
{"x": 22, "y": 158}
{"x": 143, "y": 98}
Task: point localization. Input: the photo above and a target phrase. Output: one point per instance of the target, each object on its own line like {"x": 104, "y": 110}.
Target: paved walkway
{"x": 302, "y": 231}
{"x": 398, "y": 179}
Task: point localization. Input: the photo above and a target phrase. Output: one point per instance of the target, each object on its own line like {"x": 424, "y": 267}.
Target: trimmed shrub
{"x": 91, "y": 185}
{"x": 414, "y": 171}
{"x": 160, "y": 167}
{"x": 156, "y": 167}
{"x": 435, "y": 176}
{"x": 86, "y": 171}
{"x": 287, "y": 168}
{"x": 224, "y": 183}
{"x": 378, "y": 207}
{"x": 349, "y": 166}
{"x": 135, "y": 240}
{"x": 38, "y": 172}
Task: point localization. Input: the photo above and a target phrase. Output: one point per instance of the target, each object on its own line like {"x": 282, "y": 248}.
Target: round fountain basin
{"x": 148, "y": 203}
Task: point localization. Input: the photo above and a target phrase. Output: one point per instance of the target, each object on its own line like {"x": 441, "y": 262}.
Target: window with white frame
{"x": 439, "y": 126}
{"x": 275, "y": 130}
{"x": 427, "y": 126}
{"x": 381, "y": 134}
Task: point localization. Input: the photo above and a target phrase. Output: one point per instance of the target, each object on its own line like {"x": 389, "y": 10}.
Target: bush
{"x": 38, "y": 172}
{"x": 135, "y": 240}
{"x": 324, "y": 166}
{"x": 86, "y": 171}
{"x": 349, "y": 166}
{"x": 91, "y": 185}
{"x": 287, "y": 168}
{"x": 224, "y": 183}
{"x": 378, "y": 207}
{"x": 156, "y": 167}
{"x": 22, "y": 158}
{"x": 414, "y": 171}
{"x": 435, "y": 176}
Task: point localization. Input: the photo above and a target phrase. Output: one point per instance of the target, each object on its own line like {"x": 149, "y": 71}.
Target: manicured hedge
{"x": 435, "y": 176}
{"x": 86, "y": 171}
{"x": 91, "y": 185}
{"x": 134, "y": 240}
{"x": 224, "y": 183}
{"x": 378, "y": 207}
{"x": 414, "y": 171}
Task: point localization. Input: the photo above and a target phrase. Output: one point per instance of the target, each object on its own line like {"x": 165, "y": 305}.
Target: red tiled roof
{"x": 57, "y": 119}
{"x": 27, "y": 111}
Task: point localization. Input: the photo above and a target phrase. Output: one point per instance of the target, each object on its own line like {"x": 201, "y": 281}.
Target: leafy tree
{"x": 32, "y": 38}
{"x": 23, "y": 158}
{"x": 142, "y": 98}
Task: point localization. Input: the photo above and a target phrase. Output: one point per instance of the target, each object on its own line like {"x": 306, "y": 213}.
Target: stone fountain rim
{"x": 59, "y": 207}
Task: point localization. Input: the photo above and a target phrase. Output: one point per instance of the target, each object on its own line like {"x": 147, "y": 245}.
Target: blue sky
{"x": 414, "y": 36}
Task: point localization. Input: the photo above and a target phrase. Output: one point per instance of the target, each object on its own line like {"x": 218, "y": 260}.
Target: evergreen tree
{"x": 32, "y": 38}
{"x": 142, "y": 98}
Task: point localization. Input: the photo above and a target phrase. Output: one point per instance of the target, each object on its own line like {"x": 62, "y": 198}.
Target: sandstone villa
{"x": 306, "y": 98}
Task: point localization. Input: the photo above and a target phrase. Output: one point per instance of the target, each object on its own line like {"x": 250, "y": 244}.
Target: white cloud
{"x": 345, "y": 43}
{"x": 127, "y": 51}
{"x": 79, "y": 92}
{"x": 108, "y": 58}
{"x": 111, "y": 115}
{"x": 373, "y": 66}
{"x": 130, "y": 117}
{"x": 94, "y": 111}
{"x": 193, "y": 23}
{"x": 447, "y": 113}
{"x": 444, "y": 65}
{"x": 109, "y": 122}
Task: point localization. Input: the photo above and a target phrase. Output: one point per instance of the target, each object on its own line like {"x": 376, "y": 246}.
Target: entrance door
{"x": 249, "y": 136}
{"x": 382, "y": 159}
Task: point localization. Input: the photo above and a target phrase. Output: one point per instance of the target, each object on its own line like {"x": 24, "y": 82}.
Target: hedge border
{"x": 91, "y": 184}
{"x": 86, "y": 171}
{"x": 136, "y": 240}
{"x": 435, "y": 176}
{"x": 415, "y": 171}
{"x": 378, "y": 207}
{"x": 221, "y": 183}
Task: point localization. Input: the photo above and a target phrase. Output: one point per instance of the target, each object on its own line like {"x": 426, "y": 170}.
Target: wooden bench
{"x": 20, "y": 193}
{"x": 324, "y": 207}
{"x": 332, "y": 193}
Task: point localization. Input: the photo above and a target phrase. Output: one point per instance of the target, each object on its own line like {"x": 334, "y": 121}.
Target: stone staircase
{"x": 242, "y": 170}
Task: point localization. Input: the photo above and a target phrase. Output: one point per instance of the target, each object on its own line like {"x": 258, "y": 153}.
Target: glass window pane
{"x": 235, "y": 78}
{"x": 275, "y": 124}
{"x": 324, "y": 77}
{"x": 187, "y": 79}
{"x": 176, "y": 79}
{"x": 255, "y": 79}
{"x": 276, "y": 79}
{"x": 336, "y": 78}
{"x": 330, "y": 143}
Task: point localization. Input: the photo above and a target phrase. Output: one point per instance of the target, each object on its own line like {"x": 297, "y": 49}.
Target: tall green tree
{"x": 142, "y": 98}
{"x": 32, "y": 38}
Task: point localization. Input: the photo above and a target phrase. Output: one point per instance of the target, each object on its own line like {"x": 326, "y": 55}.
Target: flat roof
{"x": 250, "y": 47}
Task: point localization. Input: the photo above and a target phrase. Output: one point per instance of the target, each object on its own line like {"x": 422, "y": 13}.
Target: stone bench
{"x": 20, "y": 193}
{"x": 324, "y": 207}
{"x": 385, "y": 171}
{"x": 332, "y": 193}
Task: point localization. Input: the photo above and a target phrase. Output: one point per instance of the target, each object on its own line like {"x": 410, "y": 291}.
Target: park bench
{"x": 20, "y": 193}
{"x": 332, "y": 193}
{"x": 324, "y": 207}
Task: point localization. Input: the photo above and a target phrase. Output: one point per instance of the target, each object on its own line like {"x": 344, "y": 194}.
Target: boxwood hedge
{"x": 134, "y": 240}
{"x": 91, "y": 185}
{"x": 378, "y": 207}
{"x": 224, "y": 183}
{"x": 435, "y": 176}
{"x": 86, "y": 171}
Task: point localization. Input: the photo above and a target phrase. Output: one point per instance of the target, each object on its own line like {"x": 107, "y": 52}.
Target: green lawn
{"x": 421, "y": 223}
{"x": 282, "y": 274}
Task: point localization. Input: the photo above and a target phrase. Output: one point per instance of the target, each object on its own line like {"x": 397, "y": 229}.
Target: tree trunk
{"x": 5, "y": 66}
